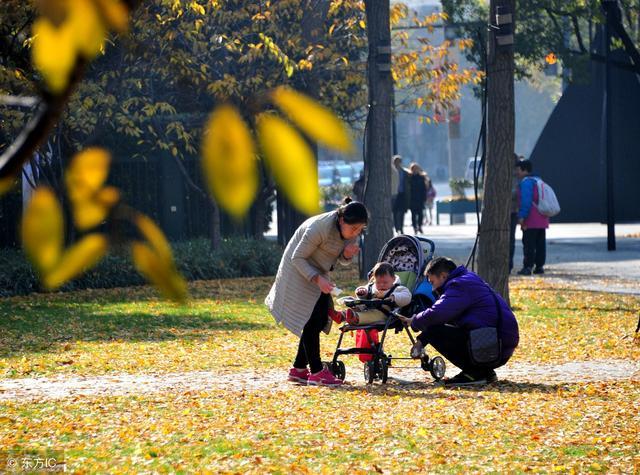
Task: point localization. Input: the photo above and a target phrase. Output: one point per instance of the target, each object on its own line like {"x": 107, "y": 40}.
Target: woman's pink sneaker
{"x": 298, "y": 375}
{"x": 323, "y": 378}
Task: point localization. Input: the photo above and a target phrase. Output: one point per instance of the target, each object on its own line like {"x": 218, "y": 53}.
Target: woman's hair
{"x": 439, "y": 265}
{"x": 353, "y": 212}
{"x": 382, "y": 268}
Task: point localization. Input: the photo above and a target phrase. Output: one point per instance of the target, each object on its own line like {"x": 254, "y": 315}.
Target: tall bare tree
{"x": 378, "y": 137}
{"x": 493, "y": 263}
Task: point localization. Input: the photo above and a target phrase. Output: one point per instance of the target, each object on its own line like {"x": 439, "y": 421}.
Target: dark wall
{"x": 568, "y": 153}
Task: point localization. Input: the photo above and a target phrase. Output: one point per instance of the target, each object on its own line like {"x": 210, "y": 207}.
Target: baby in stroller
{"x": 397, "y": 286}
{"x": 384, "y": 285}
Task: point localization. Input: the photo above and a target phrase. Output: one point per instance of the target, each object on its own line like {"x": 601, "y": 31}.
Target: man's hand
{"x": 323, "y": 283}
{"x": 350, "y": 250}
{"x": 406, "y": 320}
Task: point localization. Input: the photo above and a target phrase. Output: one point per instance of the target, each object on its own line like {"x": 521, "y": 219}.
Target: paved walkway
{"x": 575, "y": 252}
{"x": 545, "y": 376}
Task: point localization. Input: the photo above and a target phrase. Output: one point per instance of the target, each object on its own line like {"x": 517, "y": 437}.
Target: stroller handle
{"x": 373, "y": 303}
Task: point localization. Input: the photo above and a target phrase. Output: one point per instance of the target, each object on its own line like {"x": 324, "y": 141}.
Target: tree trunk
{"x": 215, "y": 237}
{"x": 493, "y": 261}
{"x": 378, "y": 134}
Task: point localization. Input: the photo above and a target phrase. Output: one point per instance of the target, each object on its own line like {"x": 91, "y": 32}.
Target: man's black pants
{"x": 452, "y": 343}
{"x": 309, "y": 347}
{"x": 534, "y": 247}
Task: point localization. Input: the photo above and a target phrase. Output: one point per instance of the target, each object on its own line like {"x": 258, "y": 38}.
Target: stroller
{"x": 409, "y": 256}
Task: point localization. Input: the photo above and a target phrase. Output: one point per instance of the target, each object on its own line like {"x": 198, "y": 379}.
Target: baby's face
{"x": 384, "y": 282}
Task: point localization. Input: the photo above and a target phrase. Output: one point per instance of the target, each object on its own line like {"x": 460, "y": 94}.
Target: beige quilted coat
{"x": 314, "y": 249}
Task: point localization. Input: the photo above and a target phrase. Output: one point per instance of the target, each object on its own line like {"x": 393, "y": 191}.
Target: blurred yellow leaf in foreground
{"x": 115, "y": 13}
{"x": 54, "y": 53}
{"x": 83, "y": 255}
{"x": 155, "y": 260}
{"x": 43, "y": 230}
{"x": 6, "y": 184}
{"x": 84, "y": 178}
{"x": 315, "y": 120}
{"x": 229, "y": 160}
{"x": 156, "y": 270}
{"x": 291, "y": 161}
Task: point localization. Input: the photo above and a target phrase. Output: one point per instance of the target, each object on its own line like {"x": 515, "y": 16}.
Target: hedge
{"x": 195, "y": 259}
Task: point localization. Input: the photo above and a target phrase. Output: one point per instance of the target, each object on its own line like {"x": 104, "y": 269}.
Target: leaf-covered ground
{"x": 518, "y": 425}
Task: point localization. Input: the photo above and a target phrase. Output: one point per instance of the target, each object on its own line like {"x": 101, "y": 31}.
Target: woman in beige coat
{"x": 300, "y": 296}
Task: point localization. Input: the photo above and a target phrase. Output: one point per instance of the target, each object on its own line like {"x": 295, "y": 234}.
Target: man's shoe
{"x": 465, "y": 379}
{"x": 323, "y": 378}
{"x": 525, "y": 271}
{"x": 298, "y": 375}
{"x": 538, "y": 270}
{"x": 417, "y": 350}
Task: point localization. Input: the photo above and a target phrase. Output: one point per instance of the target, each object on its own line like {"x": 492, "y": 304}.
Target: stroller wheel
{"x": 437, "y": 367}
{"x": 384, "y": 369}
{"x": 338, "y": 370}
{"x": 369, "y": 371}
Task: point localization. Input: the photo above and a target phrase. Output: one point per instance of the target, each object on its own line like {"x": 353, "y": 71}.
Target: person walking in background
{"x": 418, "y": 196}
{"x": 533, "y": 224}
{"x": 514, "y": 211}
{"x": 431, "y": 197}
{"x": 400, "y": 203}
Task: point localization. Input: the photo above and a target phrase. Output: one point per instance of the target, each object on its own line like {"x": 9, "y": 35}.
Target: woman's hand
{"x": 350, "y": 250}
{"x": 324, "y": 284}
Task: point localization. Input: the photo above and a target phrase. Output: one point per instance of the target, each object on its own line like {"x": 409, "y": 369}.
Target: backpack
{"x": 547, "y": 201}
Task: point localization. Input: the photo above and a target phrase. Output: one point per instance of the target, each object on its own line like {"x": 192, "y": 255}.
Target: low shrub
{"x": 195, "y": 259}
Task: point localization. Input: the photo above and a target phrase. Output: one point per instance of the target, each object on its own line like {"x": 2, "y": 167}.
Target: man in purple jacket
{"x": 465, "y": 303}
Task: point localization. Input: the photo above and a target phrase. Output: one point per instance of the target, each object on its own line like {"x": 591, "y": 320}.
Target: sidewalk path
{"x": 576, "y": 253}
{"x": 145, "y": 383}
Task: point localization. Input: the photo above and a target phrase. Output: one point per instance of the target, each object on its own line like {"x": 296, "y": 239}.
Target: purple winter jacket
{"x": 467, "y": 302}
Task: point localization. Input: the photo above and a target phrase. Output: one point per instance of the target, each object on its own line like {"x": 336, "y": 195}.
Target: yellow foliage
{"x": 6, "y": 184}
{"x": 229, "y": 160}
{"x": 115, "y": 13}
{"x": 157, "y": 271}
{"x": 43, "y": 230}
{"x": 84, "y": 178}
{"x": 291, "y": 161}
{"x": 315, "y": 120}
{"x": 87, "y": 172}
{"x": 53, "y": 51}
{"x": 77, "y": 27}
{"x": 82, "y": 256}
{"x": 89, "y": 31}
{"x": 154, "y": 235}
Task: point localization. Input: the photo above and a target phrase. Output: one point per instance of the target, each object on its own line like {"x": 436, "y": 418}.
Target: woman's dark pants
{"x": 309, "y": 347}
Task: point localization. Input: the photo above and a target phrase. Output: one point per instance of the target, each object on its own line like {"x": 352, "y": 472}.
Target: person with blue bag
{"x": 469, "y": 324}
